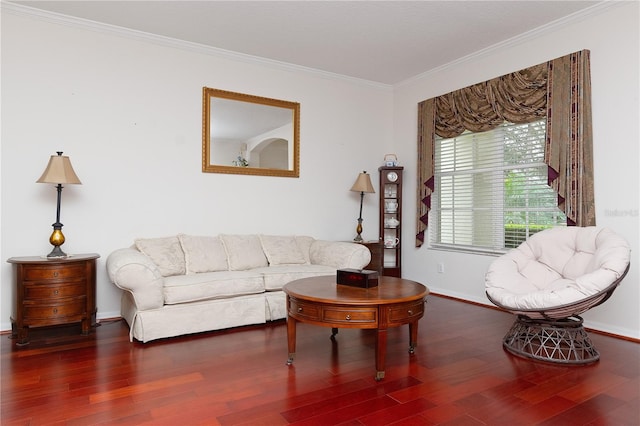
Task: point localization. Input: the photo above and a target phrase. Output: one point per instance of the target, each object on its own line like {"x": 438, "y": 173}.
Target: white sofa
{"x": 188, "y": 284}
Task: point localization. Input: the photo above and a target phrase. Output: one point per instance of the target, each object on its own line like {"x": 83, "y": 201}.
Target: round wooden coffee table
{"x": 320, "y": 301}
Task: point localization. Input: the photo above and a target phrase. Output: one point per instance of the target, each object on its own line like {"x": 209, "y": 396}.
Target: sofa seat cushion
{"x": 211, "y": 285}
{"x": 278, "y": 275}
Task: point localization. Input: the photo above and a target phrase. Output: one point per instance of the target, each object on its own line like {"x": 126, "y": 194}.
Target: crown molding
{"x": 521, "y": 38}
{"x": 89, "y": 25}
{"x": 100, "y": 27}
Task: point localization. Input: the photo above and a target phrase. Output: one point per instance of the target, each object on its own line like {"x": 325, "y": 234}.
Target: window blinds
{"x": 491, "y": 189}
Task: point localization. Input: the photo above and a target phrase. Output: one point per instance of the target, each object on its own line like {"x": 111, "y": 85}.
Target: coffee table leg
{"x": 413, "y": 336}
{"x": 291, "y": 338}
{"x": 381, "y": 352}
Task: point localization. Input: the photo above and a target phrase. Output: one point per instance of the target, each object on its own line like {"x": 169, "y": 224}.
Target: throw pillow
{"x": 281, "y": 250}
{"x": 304, "y": 244}
{"x": 203, "y": 254}
{"x": 244, "y": 252}
{"x": 165, "y": 252}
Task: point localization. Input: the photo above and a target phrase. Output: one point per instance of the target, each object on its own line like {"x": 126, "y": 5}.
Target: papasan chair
{"x": 548, "y": 281}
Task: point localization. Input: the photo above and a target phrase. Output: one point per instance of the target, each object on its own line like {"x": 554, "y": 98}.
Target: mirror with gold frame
{"x": 249, "y": 135}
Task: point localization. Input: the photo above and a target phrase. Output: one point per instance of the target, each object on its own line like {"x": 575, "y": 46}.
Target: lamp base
{"x": 358, "y": 238}
{"x": 56, "y": 240}
{"x": 57, "y": 252}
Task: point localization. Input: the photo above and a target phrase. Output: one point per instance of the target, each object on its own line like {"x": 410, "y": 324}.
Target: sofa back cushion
{"x": 244, "y": 252}
{"x": 203, "y": 254}
{"x": 281, "y": 250}
{"x": 165, "y": 252}
{"x": 304, "y": 244}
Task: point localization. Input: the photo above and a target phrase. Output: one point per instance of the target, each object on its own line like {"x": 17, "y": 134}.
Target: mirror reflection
{"x": 245, "y": 134}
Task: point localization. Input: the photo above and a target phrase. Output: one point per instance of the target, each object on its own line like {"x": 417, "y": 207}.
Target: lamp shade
{"x": 363, "y": 183}
{"x": 59, "y": 170}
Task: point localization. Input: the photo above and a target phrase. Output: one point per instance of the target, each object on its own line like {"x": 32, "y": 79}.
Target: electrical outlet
{"x": 441, "y": 268}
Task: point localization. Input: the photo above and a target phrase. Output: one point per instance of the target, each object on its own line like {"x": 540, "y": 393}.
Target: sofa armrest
{"x": 132, "y": 271}
{"x": 339, "y": 254}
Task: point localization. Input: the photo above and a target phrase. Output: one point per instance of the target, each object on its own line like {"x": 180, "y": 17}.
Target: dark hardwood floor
{"x": 459, "y": 375}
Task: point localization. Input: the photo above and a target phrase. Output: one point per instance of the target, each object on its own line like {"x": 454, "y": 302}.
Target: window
{"x": 491, "y": 189}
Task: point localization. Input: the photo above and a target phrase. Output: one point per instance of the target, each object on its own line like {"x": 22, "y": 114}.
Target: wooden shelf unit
{"x": 390, "y": 212}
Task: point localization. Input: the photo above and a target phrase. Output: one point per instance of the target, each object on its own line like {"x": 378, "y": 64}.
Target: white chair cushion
{"x": 556, "y": 267}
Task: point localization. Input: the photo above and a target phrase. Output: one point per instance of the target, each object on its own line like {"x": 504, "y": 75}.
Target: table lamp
{"x": 58, "y": 171}
{"x": 362, "y": 185}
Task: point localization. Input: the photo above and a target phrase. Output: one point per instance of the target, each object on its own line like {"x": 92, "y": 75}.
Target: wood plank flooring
{"x": 459, "y": 375}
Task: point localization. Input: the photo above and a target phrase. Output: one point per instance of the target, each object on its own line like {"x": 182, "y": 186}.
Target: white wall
{"x": 613, "y": 37}
{"x": 128, "y": 113}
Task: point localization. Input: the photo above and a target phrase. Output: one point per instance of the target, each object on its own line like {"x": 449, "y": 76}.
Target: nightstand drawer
{"x": 351, "y": 315}
{"x": 75, "y": 307}
{"x": 54, "y": 291}
{"x": 406, "y": 313}
{"x": 54, "y": 272}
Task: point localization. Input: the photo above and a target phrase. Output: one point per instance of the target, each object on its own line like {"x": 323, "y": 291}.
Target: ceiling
{"x": 381, "y": 41}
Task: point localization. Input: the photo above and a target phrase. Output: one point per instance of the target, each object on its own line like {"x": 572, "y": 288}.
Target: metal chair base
{"x": 562, "y": 341}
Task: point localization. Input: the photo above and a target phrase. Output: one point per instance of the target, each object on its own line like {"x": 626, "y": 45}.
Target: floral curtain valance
{"x": 559, "y": 89}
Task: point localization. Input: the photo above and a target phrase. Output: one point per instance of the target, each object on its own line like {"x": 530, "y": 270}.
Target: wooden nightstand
{"x": 375, "y": 247}
{"x": 53, "y": 292}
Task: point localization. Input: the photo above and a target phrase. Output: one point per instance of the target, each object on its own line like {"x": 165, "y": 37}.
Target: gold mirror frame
{"x": 208, "y": 164}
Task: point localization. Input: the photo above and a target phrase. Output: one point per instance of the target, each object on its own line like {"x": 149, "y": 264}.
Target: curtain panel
{"x": 559, "y": 90}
